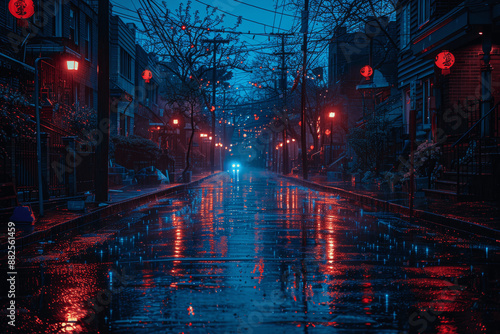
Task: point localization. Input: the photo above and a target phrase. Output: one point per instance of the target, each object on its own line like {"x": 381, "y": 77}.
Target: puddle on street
{"x": 258, "y": 256}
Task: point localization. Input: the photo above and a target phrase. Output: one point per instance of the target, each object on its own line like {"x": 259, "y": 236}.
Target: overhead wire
{"x": 237, "y": 16}
{"x": 261, "y": 8}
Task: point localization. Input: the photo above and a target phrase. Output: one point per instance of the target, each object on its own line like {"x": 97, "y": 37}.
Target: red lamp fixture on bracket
{"x": 147, "y": 76}
{"x": 366, "y": 71}
{"x": 22, "y": 9}
{"x": 445, "y": 60}
{"x": 72, "y": 65}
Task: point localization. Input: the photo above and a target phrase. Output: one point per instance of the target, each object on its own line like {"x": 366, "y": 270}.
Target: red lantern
{"x": 22, "y": 9}
{"x": 445, "y": 60}
{"x": 147, "y": 75}
{"x": 366, "y": 71}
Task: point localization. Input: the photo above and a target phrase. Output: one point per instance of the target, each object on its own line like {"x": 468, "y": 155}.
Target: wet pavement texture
{"x": 257, "y": 255}
{"x": 478, "y": 212}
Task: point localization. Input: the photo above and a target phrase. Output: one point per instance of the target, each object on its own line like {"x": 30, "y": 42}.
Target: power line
{"x": 265, "y": 9}
{"x": 239, "y": 17}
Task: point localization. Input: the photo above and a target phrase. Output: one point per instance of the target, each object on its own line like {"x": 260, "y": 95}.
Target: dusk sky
{"x": 257, "y": 17}
{"x": 247, "y": 9}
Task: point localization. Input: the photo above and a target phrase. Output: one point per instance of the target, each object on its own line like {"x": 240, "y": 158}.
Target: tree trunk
{"x": 188, "y": 153}
{"x": 212, "y": 144}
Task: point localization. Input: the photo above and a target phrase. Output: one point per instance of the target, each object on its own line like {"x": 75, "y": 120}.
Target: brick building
{"x": 449, "y": 105}
{"x": 67, "y": 32}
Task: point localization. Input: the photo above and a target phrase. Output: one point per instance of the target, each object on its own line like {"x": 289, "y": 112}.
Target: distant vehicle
{"x": 234, "y": 169}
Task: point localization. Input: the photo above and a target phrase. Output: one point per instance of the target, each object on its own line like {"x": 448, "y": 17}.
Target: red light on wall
{"x": 445, "y": 60}
{"x": 366, "y": 71}
{"x": 22, "y": 9}
{"x": 175, "y": 121}
{"x": 147, "y": 75}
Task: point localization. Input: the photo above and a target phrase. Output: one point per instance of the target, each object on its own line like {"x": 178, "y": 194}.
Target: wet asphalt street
{"x": 257, "y": 255}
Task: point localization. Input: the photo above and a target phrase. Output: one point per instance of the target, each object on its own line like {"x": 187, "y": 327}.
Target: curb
{"x": 434, "y": 218}
{"x": 105, "y": 212}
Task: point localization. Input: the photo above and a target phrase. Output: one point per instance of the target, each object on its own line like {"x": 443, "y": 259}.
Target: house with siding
{"x": 122, "y": 76}
{"x": 62, "y": 30}
{"x": 359, "y": 99}
{"x": 448, "y": 107}
{"x": 148, "y": 114}
{"x": 66, "y": 32}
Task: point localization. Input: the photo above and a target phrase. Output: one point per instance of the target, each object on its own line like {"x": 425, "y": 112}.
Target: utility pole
{"x": 283, "y": 54}
{"x": 304, "y": 29}
{"x": 215, "y": 42}
{"x": 103, "y": 121}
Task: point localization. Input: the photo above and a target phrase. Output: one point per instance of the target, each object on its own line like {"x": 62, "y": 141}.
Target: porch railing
{"x": 20, "y": 166}
{"x": 482, "y": 138}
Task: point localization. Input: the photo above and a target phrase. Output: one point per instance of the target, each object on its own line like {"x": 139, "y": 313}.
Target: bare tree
{"x": 179, "y": 38}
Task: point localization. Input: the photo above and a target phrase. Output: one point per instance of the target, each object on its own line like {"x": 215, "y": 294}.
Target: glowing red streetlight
{"x": 331, "y": 115}
{"x": 72, "y": 65}
{"x": 175, "y": 121}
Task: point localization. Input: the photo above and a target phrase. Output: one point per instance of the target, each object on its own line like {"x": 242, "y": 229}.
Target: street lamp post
{"x": 72, "y": 66}
{"x": 38, "y": 140}
{"x": 331, "y": 115}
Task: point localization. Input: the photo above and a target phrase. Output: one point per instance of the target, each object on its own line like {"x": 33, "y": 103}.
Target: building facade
{"x": 122, "y": 76}
{"x": 449, "y": 103}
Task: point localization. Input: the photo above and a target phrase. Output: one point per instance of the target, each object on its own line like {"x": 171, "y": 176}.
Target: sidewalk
{"x": 481, "y": 218}
{"x": 60, "y": 219}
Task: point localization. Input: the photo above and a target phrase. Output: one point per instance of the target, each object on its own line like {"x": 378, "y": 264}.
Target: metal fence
{"x": 20, "y": 165}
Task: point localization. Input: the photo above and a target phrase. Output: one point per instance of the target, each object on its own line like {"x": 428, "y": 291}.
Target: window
{"x": 11, "y": 20}
{"x": 424, "y": 11}
{"x": 57, "y": 19}
{"x": 152, "y": 94}
{"x": 406, "y": 108}
{"x": 76, "y": 94}
{"x": 88, "y": 40}
{"x": 73, "y": 25}
{"x": 89, "y": 97}
{"x": 405, "y": 27}
{"x": 125, "y": 64}
{"x": 426, "y": 101}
